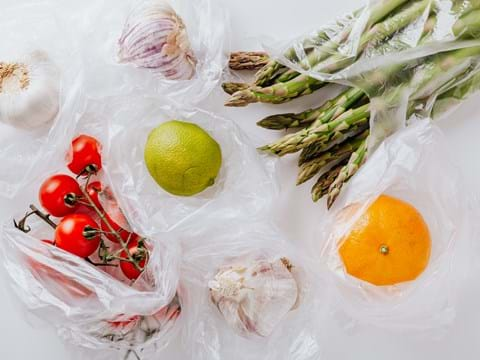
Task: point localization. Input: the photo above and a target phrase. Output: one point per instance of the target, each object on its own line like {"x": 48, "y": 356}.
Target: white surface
{"x": 295, "y": 213}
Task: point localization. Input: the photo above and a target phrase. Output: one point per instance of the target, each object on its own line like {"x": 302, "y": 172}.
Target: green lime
{"x": 182, "y": 158}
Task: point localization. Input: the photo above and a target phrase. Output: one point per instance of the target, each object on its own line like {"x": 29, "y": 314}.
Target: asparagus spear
{"x": 378, "y": 12}
{"x": 328, "y": 111}
{"x": 320, "y": 189}
{"x": 232, "y": 87}
{"x": 345, "y": 174}
{"x": 326, "y": 134}
{"x": 330, "y": 158}
{"x": 468, "y": 26}
{"x": 304, "y": 85}
{"x": 248, "y": 60}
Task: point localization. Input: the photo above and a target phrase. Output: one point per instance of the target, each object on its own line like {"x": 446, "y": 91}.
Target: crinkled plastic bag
{"x": 244, "y": 187}
{"x": 206, "y": 23}
{"x": 416, "y": 167}
{"x": 252, "y": 250}
{"x": 89, "y": 306}
{"x": 402, "y": 54}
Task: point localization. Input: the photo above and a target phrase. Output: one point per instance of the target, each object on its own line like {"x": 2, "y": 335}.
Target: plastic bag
{"x": 227, "y": 321}
{"x": 402, "y": 54}
{"x": 414, "y": 166}
{"x": 32, "y": 27}
{"x": 90, "y": 307}
{"x": 250, "y": 188}
{"x": 206, "y": 24}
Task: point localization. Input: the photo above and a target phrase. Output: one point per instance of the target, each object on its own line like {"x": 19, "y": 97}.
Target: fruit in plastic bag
{"x": 388, "y": 244}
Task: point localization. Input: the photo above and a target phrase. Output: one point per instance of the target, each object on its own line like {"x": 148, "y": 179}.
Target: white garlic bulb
{"x": 29, "y": 91}
{"x": 155, "y": 37}
{"x": 254, "y": 297}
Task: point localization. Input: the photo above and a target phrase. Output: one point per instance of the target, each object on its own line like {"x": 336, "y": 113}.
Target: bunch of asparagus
{"x": 333, "y": 137}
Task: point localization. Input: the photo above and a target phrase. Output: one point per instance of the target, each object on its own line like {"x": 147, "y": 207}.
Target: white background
{"x": 295, "y": 213}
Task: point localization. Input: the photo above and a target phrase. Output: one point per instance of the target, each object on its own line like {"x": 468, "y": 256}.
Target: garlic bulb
{"x": 254, "y": 297}
{"x": 29, "y": 91}
{"x": 155, "y": 37}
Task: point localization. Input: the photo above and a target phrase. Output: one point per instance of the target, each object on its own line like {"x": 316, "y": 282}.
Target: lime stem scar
{"x": 384, "y": 250}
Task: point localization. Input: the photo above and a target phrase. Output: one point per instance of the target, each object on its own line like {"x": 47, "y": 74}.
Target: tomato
{"x": 77, "y": 234}
{"x": 59, "y": 194}
{"x": 93, "y": 190}
{"x": 130, "y": 322}
{"x": 84, "y": 156}
{"x": 139, "y": 253}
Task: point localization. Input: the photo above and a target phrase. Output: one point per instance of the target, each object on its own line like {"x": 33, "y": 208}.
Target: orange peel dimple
{"x": 388, "y": 244}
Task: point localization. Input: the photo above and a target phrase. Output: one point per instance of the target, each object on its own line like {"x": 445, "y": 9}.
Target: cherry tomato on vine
{"x": 93, "y": 190}
{"x": 78, "y": 234}
{"x": 59, "y": 195}
{"x": 139, "y": 254}
{"x": 84, "y": 156}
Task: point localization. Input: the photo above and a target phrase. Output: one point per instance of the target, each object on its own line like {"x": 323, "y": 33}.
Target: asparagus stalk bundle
{"x": 333, "y": 138}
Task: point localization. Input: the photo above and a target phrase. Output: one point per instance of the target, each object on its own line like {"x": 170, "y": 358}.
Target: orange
{"x": 389, "y": 243}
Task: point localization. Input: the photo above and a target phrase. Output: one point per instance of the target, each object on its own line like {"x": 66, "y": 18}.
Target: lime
{"x": 182, "y": 157}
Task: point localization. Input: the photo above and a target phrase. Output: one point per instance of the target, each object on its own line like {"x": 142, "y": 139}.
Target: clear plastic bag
{"x": 89, "y": 306}
{"x": 216, "y": 328}
{"x": 206, "y": 24}
{"x": 414, "y": 166}
{"x": 402, "y": 54}
{"x": 245, "y": 178}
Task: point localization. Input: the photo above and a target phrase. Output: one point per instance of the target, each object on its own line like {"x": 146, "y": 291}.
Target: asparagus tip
{"x": 231, "y": 87}
{"x": 241, "y": 98}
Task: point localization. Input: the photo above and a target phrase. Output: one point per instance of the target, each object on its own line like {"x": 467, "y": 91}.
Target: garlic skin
{"x": 155, "y": 37}
{"x": 29, "y": 95}
{"x": 254, "y": 297}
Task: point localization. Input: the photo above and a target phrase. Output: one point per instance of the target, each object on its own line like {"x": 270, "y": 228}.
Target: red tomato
{"x": 59, "y": 194}
{"x": 84, "y": 156}
{"x": 139, "y": 254}
{"x": 125, "y": 323}
{"x": 77, "y": 234}
{"x": 93, "y": 190}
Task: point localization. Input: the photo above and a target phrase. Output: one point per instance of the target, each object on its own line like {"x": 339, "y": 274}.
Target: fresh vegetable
{"x": 59, "y": 195}
{"x": 300, "y": 85}
{"x": 252, "y": 60}
{"x": 389, "y": 244}
{"x": 29, "y": 91}
{"x": 91, "y": 215}
{"x": 155, "y": 37}
{"x": 329, "y": 133}
{"x": 254, "y": 295}
{"x": 84, "y": 156}
{"x": 78, "y": 234}
{"x": 182, "y": 158}
{"x": 139, "y": 253}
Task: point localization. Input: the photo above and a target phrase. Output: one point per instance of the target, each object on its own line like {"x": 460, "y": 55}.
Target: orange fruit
{"x": 389, "y": 243}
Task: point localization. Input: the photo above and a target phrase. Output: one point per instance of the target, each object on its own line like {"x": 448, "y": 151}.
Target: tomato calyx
{"x": 71, "y": 200}
{"x": 90, "y": 233}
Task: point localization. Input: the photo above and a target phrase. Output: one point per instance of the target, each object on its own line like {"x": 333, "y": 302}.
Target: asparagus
{"x": 249, "y": 60}
{"x": 320, "y": 189}
{"x": 356, "y": 160}
{"x": 468, "y": 26}
{"x": 378, "y": 12}
{"x": 304, "y": 85}
{"x": 232, "y": 87}
{"x": 325, "y": 134}
{"x": 330, "y": 158}
{"x": 324, "y": 113}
